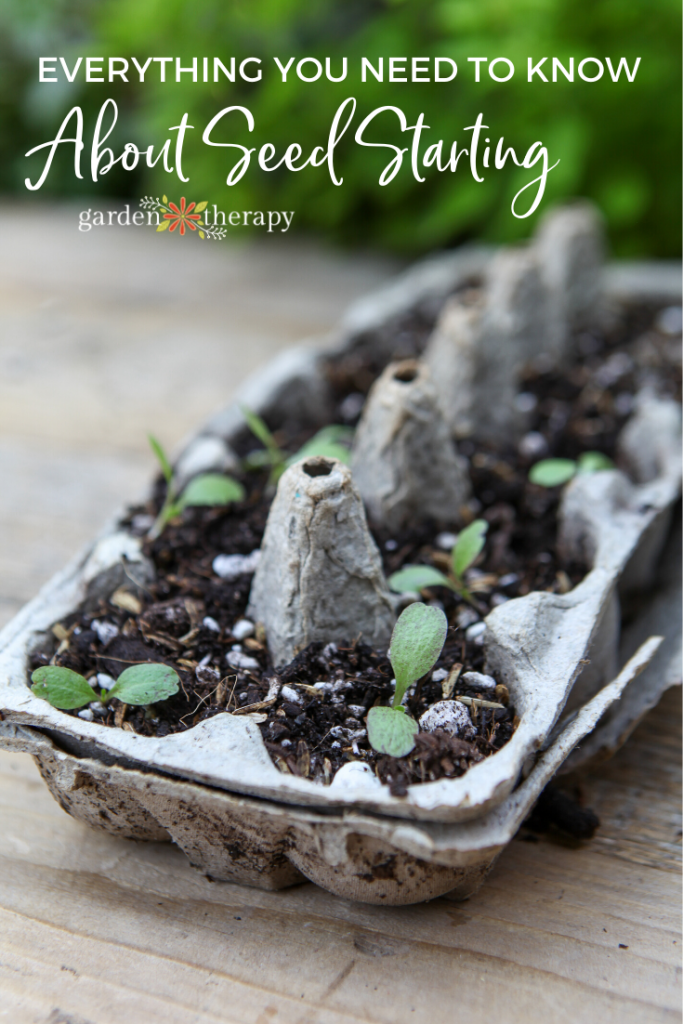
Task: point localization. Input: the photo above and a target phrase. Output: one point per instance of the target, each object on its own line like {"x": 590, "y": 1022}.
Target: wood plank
{"x": 540, "y": 942}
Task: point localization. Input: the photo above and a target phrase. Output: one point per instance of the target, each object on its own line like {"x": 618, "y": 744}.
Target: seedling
{"x": 271, "y": 455}
{"x": 416, "y": 644}
{"x": 145, "y": 684}
{"x": 466, "y": 550}
{"x": 555, "y": 472}
{"x": 327, "y": 443}
{"x": 205, "y": 489}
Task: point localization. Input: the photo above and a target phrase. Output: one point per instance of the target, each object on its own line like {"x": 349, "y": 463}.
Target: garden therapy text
{"x": 480, "y": 154}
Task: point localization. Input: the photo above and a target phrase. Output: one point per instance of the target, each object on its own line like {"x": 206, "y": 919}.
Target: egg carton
{"x": 556, "y": 653}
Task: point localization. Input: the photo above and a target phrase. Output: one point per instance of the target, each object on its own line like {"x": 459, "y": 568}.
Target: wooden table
{"x": 95, "y": 347}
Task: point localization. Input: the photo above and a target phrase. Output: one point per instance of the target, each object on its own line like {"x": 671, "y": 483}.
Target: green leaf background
{"x": 618, "y": 144}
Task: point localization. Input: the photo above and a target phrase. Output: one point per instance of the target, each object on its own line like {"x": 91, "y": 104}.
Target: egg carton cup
{"x": 265, "y": 844}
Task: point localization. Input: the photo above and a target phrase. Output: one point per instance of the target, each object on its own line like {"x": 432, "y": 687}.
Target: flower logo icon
{"x": 183, "y": 216}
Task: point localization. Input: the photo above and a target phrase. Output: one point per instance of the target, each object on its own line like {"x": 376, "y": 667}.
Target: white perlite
{"x": 355, "y": 774}
{"x": 236, "y": 659}
{"x": 230, "y": 567}
{"x": 404, "y": 462}
{"x": 476, "y": 632}
{"x": 450, "y": 716}
{"x": 105, "y": 631}
{"x": 320, "y": 575}
{"x": 242, "y": 629}
{"x": 479, "y": 681}
{"x": 111, "y": 550}
{"x": 104, "y": 681}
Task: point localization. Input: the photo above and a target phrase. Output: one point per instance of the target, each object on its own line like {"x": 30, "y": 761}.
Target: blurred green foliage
{"x": 617, "y": 143}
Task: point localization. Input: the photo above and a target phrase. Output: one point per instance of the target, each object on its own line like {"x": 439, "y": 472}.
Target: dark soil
{"x": 557, "y": 809}
{"x": 316, "y": 734}
{"x": 187, "y": 614}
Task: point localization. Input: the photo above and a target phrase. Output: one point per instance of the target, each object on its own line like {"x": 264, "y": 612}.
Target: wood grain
{"x": 108, "y": 335}
{"x": 95, "y": 930}
{"x": 107, "y": 930}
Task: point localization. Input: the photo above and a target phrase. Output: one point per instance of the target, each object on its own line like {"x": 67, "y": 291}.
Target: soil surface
{"x": 312, "y": 711}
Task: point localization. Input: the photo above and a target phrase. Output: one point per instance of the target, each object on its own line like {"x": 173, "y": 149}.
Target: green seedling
{"x": 271, "y": 455}
{"x": 466, "y": 550}
{"x": 205, "y": 489}
{"x": 140, "y": 684}
{"x": 327, "y": 443}
{"x": 416, "y": 643}
{"x": 555, "y": 472}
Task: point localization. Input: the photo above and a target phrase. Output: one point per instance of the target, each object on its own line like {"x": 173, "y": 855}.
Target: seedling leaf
{"x": 391, "y": 731}
{"x": 416, "y": 643}
{"x": 326, "y": 449}
{"x": 211, "y": 489}
{"x": 592, "y": 462}
{"x": 468, "y": 547}
{"x": 334, "y": 432}
{"x": 258, "y": 459}
{"x": 259, "y": 429}
{"x": 40, "y": 690}
{"x": 61, "y": 687}
{"x": 327, "y": 444}
{"x": 161, "y": 456}
{"x": 276, "y": 459}
{"x": 415, "y": 577}
{"x": 552, "y": 472}
{"x": 145, "y": 684}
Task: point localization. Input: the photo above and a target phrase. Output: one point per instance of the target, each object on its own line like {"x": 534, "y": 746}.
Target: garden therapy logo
{"x": 182, "y": 216}
{"x": 185, "y": 217}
